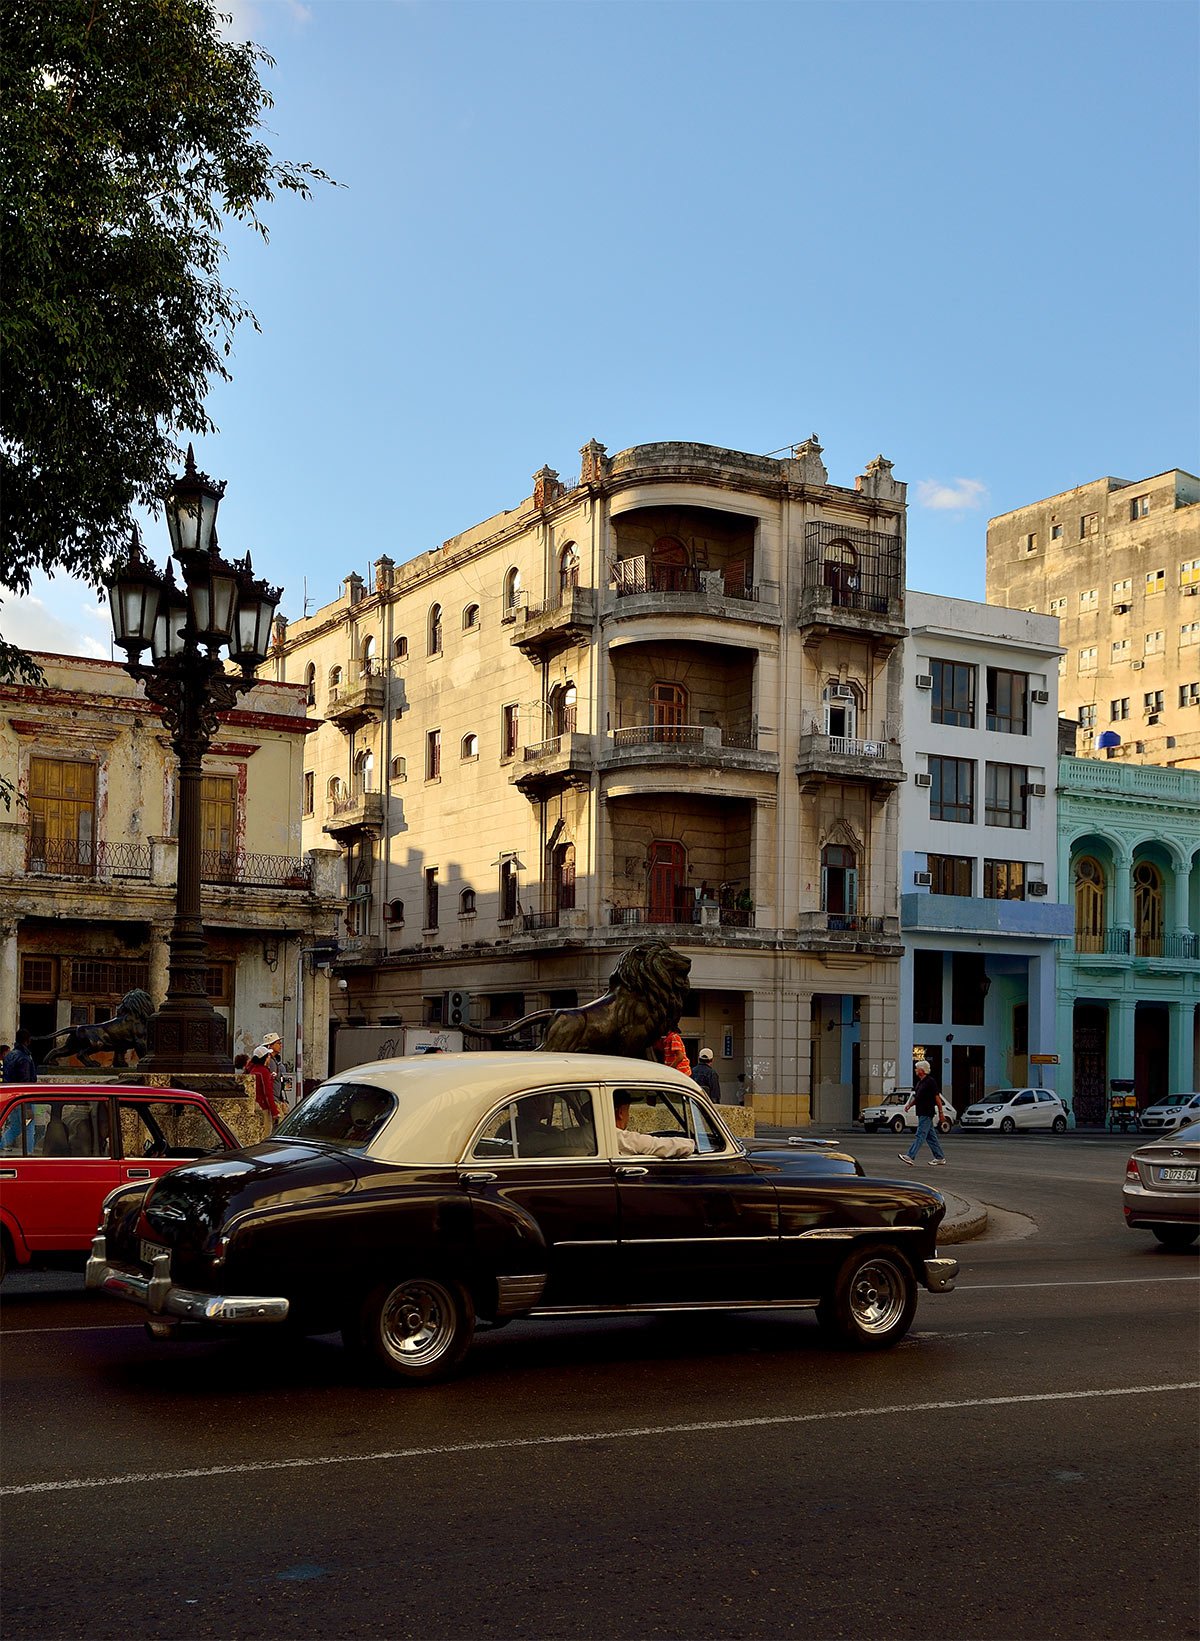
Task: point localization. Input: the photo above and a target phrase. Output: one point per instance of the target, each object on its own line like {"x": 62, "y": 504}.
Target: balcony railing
{"x": 251, "y": 871}
{"x": 660, "y": 735}
{"x": 635, "y": 575}
{"x": 849, "y": 925}
{"x": 729, "y": 917}
{"x": 1165, "y": 945}
{"x": 1103, "y": 942}
{"x": 68, "y": 857}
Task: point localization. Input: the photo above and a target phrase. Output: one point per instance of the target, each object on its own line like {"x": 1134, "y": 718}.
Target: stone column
{"x": 1178, "y": 923}
{"x": 1182, "y": 1074}
{"x": 9, "y": 989}
{"x": 1121, "y": 1012}
{"x": 1064, "y": 1016}
{"x": 1120, "y": 903}
{"x": 905, "y": 1028}
{"x": 879, "y": 1047}
{"x": 159, "y": 965}
{"x": 762, "y": 865}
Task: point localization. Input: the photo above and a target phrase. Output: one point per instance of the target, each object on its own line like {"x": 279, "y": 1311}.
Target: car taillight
{"x": 1131, "y": 1169}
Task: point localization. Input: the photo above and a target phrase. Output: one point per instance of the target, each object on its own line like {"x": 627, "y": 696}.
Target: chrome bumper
{"x": 940, "y": 1273}
{"x": 156, "y": 1294}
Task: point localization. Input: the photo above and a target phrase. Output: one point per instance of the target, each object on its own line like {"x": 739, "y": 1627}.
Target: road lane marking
{"x": 89, "y": 1327}
{"x": 576, "y": 1438}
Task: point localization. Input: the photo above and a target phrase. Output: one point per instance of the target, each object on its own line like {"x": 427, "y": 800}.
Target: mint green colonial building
{"x": 1129, "y": 984}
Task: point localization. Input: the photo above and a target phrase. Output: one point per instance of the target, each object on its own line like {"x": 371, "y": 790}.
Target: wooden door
{"x": 62, "y": 816}
{"x": 218, "y": 814}
{"x": 668, "y": 874}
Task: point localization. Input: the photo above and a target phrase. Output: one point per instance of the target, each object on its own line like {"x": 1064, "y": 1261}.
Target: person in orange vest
{"x": 671, "y": 1052}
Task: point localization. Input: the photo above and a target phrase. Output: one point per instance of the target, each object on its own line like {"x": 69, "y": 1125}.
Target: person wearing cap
{"x": 259, "y": 1068}
{"x": 705, "y": 1074}
{"x": 274, "y": 1042}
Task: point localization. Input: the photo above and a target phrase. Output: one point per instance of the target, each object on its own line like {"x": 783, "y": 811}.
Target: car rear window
{"x": 348, "y": 1115}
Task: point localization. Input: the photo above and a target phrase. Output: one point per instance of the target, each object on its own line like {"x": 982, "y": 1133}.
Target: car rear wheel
{"x": 873, "y": 1300}
{"x": 1176, "y": 1236}
{"x": 945, "y": 1126}
{"x": 1059, "y": 1125}
{"x": 1008, "y": 1126}
{"x": 898, "y": 1125}
{"x": 418, "y": 1328}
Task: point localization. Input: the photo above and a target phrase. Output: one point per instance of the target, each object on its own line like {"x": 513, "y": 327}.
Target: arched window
{"x": 336, "y": 792}
{"x": 562, "y": 877}
{"x": 400, "y": 648}
{"x": 399, "y": 768}
{"x": 395, "y": 911}
{"x": 508, "y": 890}
{"x": 667, "y": 886}
{"x": 841, "y": 711}
{"x": 562, "y": 710}
{"x": 310, "y": 684}
{"x": 668, "y": 712}
{"x": 470, "y": 617}
{"x": 1147, "y": 909}
{"x": 335, "y": 682}
{"x": 470, "y": 746}
{"x": 435, "y": 629}
{"x": 512, "y": 593}
{"x": 1089, "y": 905}
{"x": 670, "y": 570}
{"x": 364, "y": 773}
{"x": 839, "y": 884}
{"x": 368, "y": 656}
{"x": 841, "y": 573}
{"x": 466, "y": 903}
{"x": 568, "y": 570}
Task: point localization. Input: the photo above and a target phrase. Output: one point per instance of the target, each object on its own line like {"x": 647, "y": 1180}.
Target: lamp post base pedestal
{"x": 186, "y": 1040}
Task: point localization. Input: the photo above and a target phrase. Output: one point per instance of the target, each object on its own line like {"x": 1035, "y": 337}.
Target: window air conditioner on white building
{"x": 1040, "y": 697}
{"x": 924, "y": 680}
{"x": 1034, "y": 789}
{"x": 1037, "y": 890}
{"x": 922, "y": 780}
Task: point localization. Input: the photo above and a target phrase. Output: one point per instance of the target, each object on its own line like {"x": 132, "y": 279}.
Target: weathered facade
{"x": 1118, "y": 562}
{"x": 1129, "y": 983}
{"x": 87, "y": 858}
{"x": 980, "y": 911}
{"x": 660, "y": 700}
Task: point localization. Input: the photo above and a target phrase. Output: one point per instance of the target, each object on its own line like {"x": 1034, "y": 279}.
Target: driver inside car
{"x": 634, "y": 1144}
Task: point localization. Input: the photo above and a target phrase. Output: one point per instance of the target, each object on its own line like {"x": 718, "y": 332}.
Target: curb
{"x": 964, "y": 1219}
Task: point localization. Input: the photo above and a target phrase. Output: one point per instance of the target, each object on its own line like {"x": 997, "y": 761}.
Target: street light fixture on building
{"x": 220, "y": 603}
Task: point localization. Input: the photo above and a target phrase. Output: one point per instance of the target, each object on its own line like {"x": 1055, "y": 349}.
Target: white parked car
{"x": 890, "y": 1113}
{"x": 1011, "y": 1108}
{"x": 1169, "y": 1113}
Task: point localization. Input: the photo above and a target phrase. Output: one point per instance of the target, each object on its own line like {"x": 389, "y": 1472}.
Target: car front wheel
{"x": 1008, "y": 1126}
{"x": 1176, "y": 1236}
{"x": 873, "y": 1300}
{"x": 945, "y": 1126}
{"x": 898, "y": 1125}
{"x": 418, "y": 1328}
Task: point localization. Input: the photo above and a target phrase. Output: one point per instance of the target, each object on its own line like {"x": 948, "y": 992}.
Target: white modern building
{"x": 980, "y": 914}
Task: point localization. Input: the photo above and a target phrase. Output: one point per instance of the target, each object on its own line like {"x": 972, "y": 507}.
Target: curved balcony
{"x": 643, "y": 589}
{"x": 850, "y": 931}
{"x": 677, "y": 748}
{"x": 351, "y": 705}
{"x": 553, "y": 765}
{"x": 542, "y": 630}
{"x": 842, "y": 758}
{"x": 363, "y": 812}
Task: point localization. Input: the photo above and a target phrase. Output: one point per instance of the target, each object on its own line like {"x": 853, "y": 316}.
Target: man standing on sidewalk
{"x": 927, "y": 1100}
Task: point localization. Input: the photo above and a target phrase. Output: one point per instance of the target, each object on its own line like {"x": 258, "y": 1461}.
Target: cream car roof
{"x": 442, "y": 1098}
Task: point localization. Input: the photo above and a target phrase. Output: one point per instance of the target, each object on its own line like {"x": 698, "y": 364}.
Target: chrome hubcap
{"x": 417, "y": 1322}
{"x": 877, "y": 1296}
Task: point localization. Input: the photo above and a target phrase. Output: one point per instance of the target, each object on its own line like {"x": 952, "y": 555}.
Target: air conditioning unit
{"x": 1152, "y": 717}
{"x": 1040, "y": 697}
{"x": 924, "y": 680}
{"x": 1120, "y": 609}
{"x": 840, "y": 692}
{"x": 922, "y": 780}
{"x": 1037, "y": 889}
{"x": 1034, "y": 789}
{"x": 923, "y": 880}
{"x": 1190, "y": 592}
{"x": 456, "y": 1010}
{"x": 1137, "y": 665}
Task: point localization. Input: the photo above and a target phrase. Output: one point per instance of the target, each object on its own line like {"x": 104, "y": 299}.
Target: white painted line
{"x": 578, "y": 1438}
{"x": 91, "y": 1327}
{"x": 1099, "y": 1282}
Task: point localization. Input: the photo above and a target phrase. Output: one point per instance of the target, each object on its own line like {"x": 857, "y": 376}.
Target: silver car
{"x": 1011, "y": 1108}
{"x": 1162, "y": 1193}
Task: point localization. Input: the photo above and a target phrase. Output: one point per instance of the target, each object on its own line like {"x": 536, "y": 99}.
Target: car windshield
{"x": 1176, "y": 1099}
{"x": 1189, "y": 1134}
{"x": 344, "y": 1114}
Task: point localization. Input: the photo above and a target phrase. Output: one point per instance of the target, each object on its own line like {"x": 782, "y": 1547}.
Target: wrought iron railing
{"x": 539, "y": 920}
{"x": 731, "y": 917}
{"x": 1164, "y": 945}
{"x": 846, "y": 747}
{"x": 253, "y": 871}
{"x": 1103, "y": 942}
{"x": 635, "y": 575}
{"x": 68, "y": 857}
{"x": 660, "y": 735}
{"x": 852, "y": 569}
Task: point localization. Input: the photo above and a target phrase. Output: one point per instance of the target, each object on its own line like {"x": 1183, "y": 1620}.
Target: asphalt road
{"x": 1024, "y": 1465}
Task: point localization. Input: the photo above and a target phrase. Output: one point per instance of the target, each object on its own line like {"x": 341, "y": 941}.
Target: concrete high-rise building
{"x": 1118, "y": 562}
{"x": 659, "y": 700}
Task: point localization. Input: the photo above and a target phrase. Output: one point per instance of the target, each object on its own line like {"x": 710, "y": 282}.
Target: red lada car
{"x": 64, "y": 1147}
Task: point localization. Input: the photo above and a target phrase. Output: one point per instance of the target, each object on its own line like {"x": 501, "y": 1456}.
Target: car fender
{"x": 16, "y": 1237}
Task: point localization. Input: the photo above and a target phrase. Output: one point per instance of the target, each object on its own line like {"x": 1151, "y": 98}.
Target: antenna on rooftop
{"x": 305, "y": 615}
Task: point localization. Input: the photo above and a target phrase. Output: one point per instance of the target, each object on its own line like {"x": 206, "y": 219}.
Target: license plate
{"x": 1177, "y": 1176}
{"x": 149, "y": 1251}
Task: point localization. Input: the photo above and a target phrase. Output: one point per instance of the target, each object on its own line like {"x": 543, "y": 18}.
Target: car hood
{"x": 200, "y": 1197}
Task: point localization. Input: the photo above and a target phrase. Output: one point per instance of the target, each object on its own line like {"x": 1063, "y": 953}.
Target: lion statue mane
{"x": 126, "y": 1030}
{"x": 645, "y": 998}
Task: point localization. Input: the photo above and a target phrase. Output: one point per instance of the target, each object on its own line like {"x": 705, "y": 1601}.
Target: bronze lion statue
{"x": 126, "y": 1030}
{"x": 645, "y": 998}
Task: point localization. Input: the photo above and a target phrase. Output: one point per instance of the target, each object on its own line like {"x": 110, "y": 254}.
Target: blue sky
{"x": 964, "y": 235}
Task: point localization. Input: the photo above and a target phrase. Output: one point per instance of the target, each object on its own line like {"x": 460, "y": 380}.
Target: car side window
{"x": 1024, "y": 1099}
{"x": 1045, "y": 1097}
{"x": 165, "y": 1128}
{"x": 555, "y": 1123}
{"x": 707, "y": 1136}
{"x": 58, "y": 1128}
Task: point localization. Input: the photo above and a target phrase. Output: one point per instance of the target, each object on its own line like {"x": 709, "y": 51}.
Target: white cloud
{"x": 248, "y": 18}
{"x": 953, "y": 495}
{"x": 30, "y": 624}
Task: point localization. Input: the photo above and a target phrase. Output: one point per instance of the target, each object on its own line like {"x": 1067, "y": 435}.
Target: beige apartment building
{"x": 1119, "y": 563}
{"x": 88, "y": 859}
{"x": 659, "y": 700}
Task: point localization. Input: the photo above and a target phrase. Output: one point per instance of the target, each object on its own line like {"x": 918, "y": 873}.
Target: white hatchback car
{"x": 1011, "y": 1108}
{"x": 1169, "y": 1113}
{"x": 890, "y": 1113}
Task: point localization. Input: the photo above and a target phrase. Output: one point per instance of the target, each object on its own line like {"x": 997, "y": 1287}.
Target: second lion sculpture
{"x": 645, "y": 998}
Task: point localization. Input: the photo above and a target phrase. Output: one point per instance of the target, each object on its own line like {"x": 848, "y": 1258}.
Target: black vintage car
{"x": 404, "y": 1200}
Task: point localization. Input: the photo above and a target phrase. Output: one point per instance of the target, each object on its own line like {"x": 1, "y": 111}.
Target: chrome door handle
{"x": 137, "y": 1173}
{"x": 8, "y": 1173}
{"x": 629, "y": 1171}
{"x": 478, "y": 1179}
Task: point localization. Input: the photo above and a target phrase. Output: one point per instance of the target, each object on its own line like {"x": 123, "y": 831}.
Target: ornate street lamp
{"x": 184, "y": 630}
